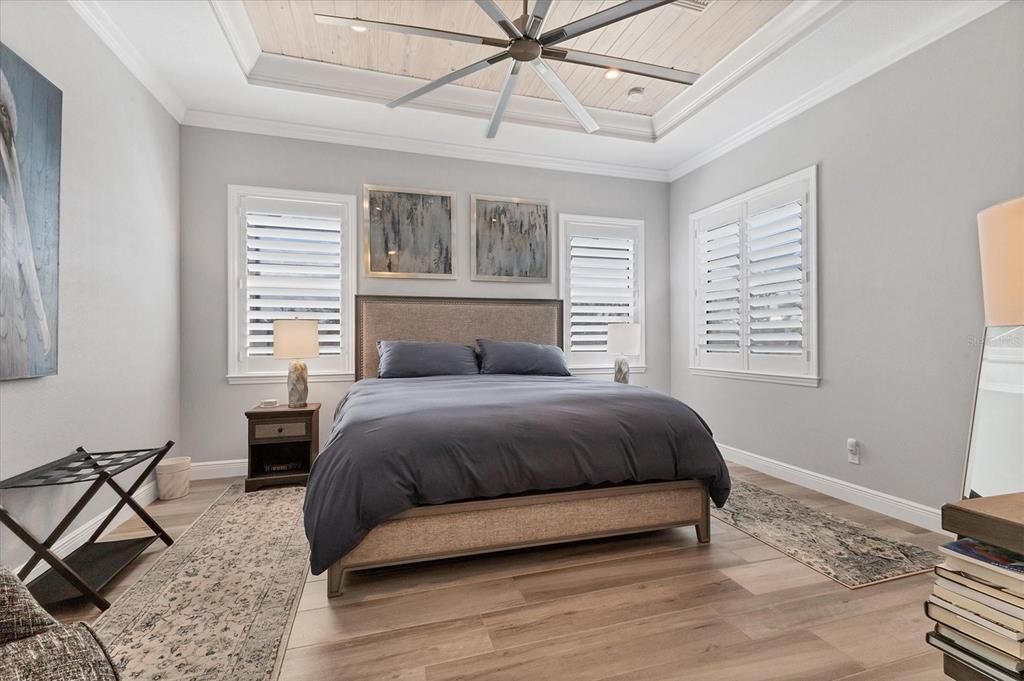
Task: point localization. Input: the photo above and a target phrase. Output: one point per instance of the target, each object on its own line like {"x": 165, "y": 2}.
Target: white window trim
{"x": 237, "y": 375}
{"x": 567, "y": 222}
{"x": 813, "y": 377}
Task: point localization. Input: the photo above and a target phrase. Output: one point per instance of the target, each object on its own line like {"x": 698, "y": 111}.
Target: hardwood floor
{"x": 653, "y": 607}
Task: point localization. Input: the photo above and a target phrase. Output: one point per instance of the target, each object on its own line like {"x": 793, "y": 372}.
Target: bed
{"x": 420, "y": 469}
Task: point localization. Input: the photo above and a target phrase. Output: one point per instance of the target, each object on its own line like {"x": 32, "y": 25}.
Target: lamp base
{"x": 621, "y": 370}
{"x": 298, "y": 384}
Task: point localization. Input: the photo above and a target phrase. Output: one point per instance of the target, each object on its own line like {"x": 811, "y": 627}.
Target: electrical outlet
{"x": 853, "y": 452}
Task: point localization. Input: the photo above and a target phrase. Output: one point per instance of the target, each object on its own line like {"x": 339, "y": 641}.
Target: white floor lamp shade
{"x": 296, "y": 339}
{"x": 623, "y": 340}
{"x": 1001, "y": 240}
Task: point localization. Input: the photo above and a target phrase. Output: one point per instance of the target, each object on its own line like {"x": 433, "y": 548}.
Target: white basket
{"x": 172, "y": 476}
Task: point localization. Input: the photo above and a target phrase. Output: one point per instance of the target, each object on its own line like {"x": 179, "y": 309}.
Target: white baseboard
{"x": 145, "y": 495}
{"x": 895, "y": 507}
{"x": 225, "y": 468}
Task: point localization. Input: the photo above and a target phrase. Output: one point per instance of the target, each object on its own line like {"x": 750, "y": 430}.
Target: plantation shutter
{"x": 293, "y": 270}
{"x": 754, "y": 307}
{"x": 775, "y": 280}
{"x": 602, "y": 289}
{"x": 719, "y": 289}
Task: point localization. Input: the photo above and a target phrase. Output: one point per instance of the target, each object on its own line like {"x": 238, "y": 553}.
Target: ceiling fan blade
{"x": 449, "y": 77}
{"x": 568, "y": 99}
{"x": 619, "y": 12}
{"x": 536, "y": 22}
{"x": 625, "y": 65}
{"x": 332, "y": 20}
{"x": 506, "y": 94}
{"x": 495, "y": 13}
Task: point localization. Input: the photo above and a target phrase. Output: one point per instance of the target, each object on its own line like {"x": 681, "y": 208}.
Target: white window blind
{"x": 601, "y": 277}
{"x": 775, "y": 278}
{"x": 720, "y": 296}
{"x": 754, "y": 287}
{"x": 293, "y": 258}
{"x": 293, "y": 269}
{"x": 602, "y": 287}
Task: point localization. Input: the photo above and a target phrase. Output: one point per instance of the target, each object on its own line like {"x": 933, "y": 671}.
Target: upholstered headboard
{"x": 450, "y": 320}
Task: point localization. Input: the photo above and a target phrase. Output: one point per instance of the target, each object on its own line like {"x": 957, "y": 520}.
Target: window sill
{"x": 253, "y": 379}
{"x": 786, "y": 379}
{"x": 592, "y": 370}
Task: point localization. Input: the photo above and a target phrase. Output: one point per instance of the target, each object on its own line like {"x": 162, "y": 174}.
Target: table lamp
{"x": 623, "y": 339}
{"x": 1001, "y": 240}
{"x": 296, "y": 339}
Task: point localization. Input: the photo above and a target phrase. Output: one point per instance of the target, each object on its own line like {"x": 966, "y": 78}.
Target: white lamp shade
{"x": 296, "y": 338}
{"x": 1001, "y": 239}
{"x": 624, "y": 339}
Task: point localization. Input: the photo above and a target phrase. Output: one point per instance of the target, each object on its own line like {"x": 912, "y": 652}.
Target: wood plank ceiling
{"x": 670, "y": 35}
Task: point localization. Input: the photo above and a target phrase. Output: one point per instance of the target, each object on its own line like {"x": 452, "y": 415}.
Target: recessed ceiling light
{"x": 612, "y": 74}
{"x": 635, "y": 94}
{"x": 359, "y": 29}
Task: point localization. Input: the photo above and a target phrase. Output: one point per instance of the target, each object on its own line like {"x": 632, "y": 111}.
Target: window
{"x": 753, "y": 276}
{"x": 291, "y": 254}
{"x": 601, "y": 283}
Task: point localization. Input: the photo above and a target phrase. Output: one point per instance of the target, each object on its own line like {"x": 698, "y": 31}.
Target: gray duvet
{"x": 404, "y": 442}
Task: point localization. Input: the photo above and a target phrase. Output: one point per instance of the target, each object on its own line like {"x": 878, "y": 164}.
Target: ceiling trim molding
{"x": 857, "y": 72}
{"x": 100, "y": 22}
{"x": 304, "y": 75}
{"x": 778, "y": 35}
{"x": 261, "y": 126}
{"x": 238, "y": 31}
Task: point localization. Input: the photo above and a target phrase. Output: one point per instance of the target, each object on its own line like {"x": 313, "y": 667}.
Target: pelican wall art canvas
{"x": 30, "y": 129}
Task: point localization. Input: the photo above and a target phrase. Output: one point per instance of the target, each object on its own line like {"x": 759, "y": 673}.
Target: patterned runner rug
{"x": 219, "y": 602}
{"x": 845, "y": 551}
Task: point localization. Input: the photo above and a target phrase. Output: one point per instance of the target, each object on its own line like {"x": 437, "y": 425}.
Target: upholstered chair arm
{"x": 20, "y": 615}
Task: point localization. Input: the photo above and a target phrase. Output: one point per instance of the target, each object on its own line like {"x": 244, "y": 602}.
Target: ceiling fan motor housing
{"x": 524, "y": 49}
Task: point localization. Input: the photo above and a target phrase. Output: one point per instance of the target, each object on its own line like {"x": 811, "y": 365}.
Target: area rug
{"x": 219, "y": 602}
{"x": 845, "y": 551}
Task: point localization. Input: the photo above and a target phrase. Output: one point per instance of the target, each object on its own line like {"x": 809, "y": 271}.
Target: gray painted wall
{"x": 906, "y": 159}
{"x": 213, "y": 423}
{"x": 117, "y": 385}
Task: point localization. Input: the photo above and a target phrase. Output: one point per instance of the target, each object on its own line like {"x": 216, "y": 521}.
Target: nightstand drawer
{"x": 269, "y": 431}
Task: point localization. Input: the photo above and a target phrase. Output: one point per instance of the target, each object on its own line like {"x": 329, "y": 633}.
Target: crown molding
{"x": 304, "y": 75}
{"x": 778, "y": 35}
{"x": 261, "y": 126}
{"x": 100, "y": 22}
{"x": 238, "y": 31}
{"x": 966, "y": 13}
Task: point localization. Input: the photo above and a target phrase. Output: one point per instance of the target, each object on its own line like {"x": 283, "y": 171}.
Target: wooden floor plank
{"x": 391, "y": 655}
{"x": 670, "y": 639}
{"x": 798, "y": 656}
{"x": 550, "y": 619}
{"x": 336, "y": 622}
{"x": 881, "y": 637}
{"x": 774, "y": 575}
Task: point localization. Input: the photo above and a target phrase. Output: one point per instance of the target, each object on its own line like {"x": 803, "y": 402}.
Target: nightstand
{"x": 283, "y": 442}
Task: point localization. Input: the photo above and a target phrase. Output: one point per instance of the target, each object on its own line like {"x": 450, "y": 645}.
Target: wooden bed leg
{"x": 335, "y": 580}
{"x": 704, "y": 526}
{"x": 704, "y": 531}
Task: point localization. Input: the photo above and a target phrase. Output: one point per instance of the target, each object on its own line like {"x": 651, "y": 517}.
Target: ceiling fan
{"x": 526, "y": 44}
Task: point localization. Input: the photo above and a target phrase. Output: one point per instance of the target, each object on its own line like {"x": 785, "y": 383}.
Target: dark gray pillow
{"x": 503, "y": 357}
{"x": 412, "y": 359}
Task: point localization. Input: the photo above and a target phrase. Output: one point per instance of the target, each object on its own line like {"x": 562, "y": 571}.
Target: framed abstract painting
{"x": 511, "y": 240}
{"x": 409, "y": 233}
{"x": 30, "y": 141}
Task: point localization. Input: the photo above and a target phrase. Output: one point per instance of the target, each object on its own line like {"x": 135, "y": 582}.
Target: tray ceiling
{"x": 674, "y": 35}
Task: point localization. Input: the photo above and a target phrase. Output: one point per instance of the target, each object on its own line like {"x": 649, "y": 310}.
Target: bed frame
{"x": 483, "y": 526}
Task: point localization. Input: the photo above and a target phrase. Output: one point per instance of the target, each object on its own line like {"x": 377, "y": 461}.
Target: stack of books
{"x": 977, "y": 601}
